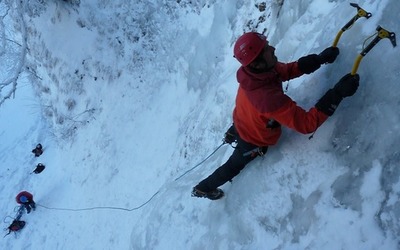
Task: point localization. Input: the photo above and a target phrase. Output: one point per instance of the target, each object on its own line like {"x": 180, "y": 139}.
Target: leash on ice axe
{"x": 360, "y": 13}
{"x": 381, "y": 34}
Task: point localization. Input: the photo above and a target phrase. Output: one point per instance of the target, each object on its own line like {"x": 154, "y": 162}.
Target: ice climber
{"x": 26, "y": 199}
{"x": 262, "y": 107}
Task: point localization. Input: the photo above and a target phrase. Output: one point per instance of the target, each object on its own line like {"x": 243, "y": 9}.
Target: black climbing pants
{"x": 241, "y": 156}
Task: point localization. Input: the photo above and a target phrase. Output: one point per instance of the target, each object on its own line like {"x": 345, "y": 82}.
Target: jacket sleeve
{"x": 288, "y": 71}
{"x": 296, "y": 118}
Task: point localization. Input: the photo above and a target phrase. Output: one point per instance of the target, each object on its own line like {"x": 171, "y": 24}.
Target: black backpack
{"x": 39, "y": 168}
{"x": 38, "y": 150}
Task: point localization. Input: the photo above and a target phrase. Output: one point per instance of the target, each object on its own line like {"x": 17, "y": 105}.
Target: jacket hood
{"x": 251, "y": 81}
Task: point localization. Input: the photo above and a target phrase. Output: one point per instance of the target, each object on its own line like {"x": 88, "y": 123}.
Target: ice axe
{"x": 360, "y": 13}
{"x": 381, "y": 34}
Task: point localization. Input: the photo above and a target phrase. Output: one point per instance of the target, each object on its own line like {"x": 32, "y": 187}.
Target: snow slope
{"x": 126, "y": 96}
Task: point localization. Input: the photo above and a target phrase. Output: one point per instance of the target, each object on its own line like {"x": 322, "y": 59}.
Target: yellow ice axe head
{"x": 382, "y": 33}
{"x": 360, "y": 13}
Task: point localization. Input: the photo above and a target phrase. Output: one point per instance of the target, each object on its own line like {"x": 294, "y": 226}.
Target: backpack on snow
{"x": 38, "y": 150}
{"x": 15, "y": 226}
{"x": 39, "y": 168}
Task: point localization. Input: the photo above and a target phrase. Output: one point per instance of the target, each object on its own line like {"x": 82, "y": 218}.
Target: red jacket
{"x": 260, "y": 99}
{"x": 28, "y": 195}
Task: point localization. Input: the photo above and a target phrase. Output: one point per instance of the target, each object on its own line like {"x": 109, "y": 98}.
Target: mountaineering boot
{"x": 212, "y": 195}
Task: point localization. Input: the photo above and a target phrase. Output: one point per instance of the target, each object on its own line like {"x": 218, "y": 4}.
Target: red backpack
{"x": 15, "y": 226}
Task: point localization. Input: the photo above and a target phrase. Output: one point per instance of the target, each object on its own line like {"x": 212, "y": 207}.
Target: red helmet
{"x": 248, "y": 46}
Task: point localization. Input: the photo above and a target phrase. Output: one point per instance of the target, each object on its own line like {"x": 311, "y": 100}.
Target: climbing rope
{"x": 18, "y": 213}
{"x": 138, "y": 207}
{"x": 97, "y": 208}
{"x": 198, "y": 164}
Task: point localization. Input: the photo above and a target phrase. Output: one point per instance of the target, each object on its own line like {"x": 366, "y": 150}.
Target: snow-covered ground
{"x": 126, "y": 96}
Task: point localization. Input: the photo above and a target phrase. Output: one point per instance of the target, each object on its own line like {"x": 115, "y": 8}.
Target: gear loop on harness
{"x": 260, "y": 151}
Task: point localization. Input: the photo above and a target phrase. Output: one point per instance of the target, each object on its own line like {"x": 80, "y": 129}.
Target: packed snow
{"x": 128, "y": 98}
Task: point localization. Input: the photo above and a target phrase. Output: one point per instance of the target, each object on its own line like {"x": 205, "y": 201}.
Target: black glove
{"x": 230, "y": 135}
{"x": 309, "y": 64}
{"x": 346, "y": 86}
{"x": 329, "y": 55}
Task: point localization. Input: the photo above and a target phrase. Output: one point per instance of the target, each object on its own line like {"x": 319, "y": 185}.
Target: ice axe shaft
{"x": 360, "y": 13}
{"x": 382, "y": 33}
